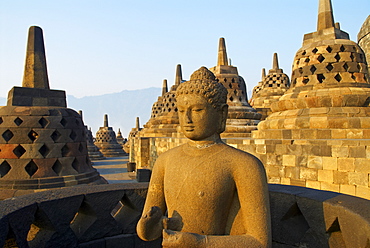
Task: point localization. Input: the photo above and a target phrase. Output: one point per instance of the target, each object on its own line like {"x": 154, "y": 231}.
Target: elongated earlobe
{"x": 222, "y": 122}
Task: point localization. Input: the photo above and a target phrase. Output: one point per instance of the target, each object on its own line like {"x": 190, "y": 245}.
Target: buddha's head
{"x": 201, "y": 104}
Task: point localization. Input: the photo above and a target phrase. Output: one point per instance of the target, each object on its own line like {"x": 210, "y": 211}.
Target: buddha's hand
{"x": 172, "y": 239}
{"x": 152, "y": 220}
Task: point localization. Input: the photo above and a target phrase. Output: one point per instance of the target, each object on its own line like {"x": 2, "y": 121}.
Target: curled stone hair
{"x": 203, "y": 82}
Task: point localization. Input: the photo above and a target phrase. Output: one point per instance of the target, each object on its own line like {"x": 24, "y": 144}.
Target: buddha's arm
{"x": 251, "y": 184}
{"x": 150, "y": 224}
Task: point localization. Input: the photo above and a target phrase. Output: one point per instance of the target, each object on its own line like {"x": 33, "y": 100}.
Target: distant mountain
{"x": 122, "y": 108}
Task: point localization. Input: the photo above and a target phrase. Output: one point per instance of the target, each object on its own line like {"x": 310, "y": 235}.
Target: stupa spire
{"x": 178, "y": 77}
{"x": 164, "y": 87}
{"x": 275, "y": 62}
{"x": 222, "y": 55}
{"x": 35, "y": 70}
{"x": 80, "y": 113}
{"x": 106, "y": 120}
{"x": 137, "y": 123}
{"x": 263, "y": 73}
{"x": 325, "y": 17}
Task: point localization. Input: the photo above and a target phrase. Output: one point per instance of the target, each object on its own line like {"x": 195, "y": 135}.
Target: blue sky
{"x": 98, "y": 47}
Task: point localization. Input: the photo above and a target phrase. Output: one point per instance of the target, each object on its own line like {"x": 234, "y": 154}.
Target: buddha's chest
{"x": 199, "y": 185}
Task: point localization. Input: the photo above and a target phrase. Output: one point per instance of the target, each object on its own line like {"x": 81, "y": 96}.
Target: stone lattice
{"x": 242, "y": 118}
{"x": 42, "y": 143}
{"x": 106, "y": 141}
{"x": 273, "y": 86}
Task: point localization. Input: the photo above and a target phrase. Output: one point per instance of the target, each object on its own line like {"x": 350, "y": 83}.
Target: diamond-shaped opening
{"x": 127, "y": 214}
{"x": 83, "y": 220}
{"x": 18, "y": 121}
{"x": 1, "y": 120}
{"x": 4, "y": 168}
{"x": 335, "y": 235}
{"x": 231, "y": 98}
{"x": 63, "y": 122}
{"x": 342, "y": 48}
{"x": 307, "y": 60}
{"x": 320, "y": 77}
{"x": 176, "y": 109}
{"x": 57, "y": 167}
{"x": 300, "y": 70}
{"x": 7, "y": 135}
{"x": 305, "y": 80}
{"x": 75, "y": 165}
{"x": 329, "y": 49}
{"x": 65, "y": 150}
{"x": 321, "y": 58}
{"x": 233, "y": 80}
{"x": 33, "y": 135}
{"x": 235, "y": 92}
{"x": 19, "y": 151}
{"x": 338, "y": 77}
{"x": 230, "y": 86}
{"x": 313, "y": 69}
{"x": 295, "y": 220}
{"x": 43, "y": 122}
{"x": 353, "y": 77}
{"x": 81, "y": 148}
{"x": 337, "y": 57}
{"x": 345, "y": 66}
{"x": 352, "y": 57}
{"x": 55, "y": 136}
{"x": 31, "y": 168}
{"x": 169, "y": 109}
{"x": 44, "y": 150}
{"x": 73, "y": 135}
{"x": 304, "y": 53}
{"x": 315, "y": 50}
{"x": 225, "y": 80}
{"x": 329, "y": 67}
{"x": 359, "y": 67}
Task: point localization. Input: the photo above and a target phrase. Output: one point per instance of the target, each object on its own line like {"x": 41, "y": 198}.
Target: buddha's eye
{"x": 197, "y": 109}
{"x": 181, "y": 110}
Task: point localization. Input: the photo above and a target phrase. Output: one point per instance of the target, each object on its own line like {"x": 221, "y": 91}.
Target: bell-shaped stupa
{"x": 318, "y": 134}
{"x": 258, "y": 87}
{"x": 92, "y": 149}
{"x": 363, "y": 38}
{"x": 42, "y": 143}
{"x": 273, "y": 86}
{"x": 242, "y": 118}
{"x": 164, "y": 117}
{"x": 106, "y": 141}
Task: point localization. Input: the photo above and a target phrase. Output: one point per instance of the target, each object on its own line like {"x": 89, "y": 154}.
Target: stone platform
{"x": 114, "y": 170}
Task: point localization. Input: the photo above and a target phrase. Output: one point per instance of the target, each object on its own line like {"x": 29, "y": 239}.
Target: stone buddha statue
{"x": 205, "y": 193}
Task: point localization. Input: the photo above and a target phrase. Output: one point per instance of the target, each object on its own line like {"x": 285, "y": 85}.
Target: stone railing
{"x": 106, "y": 216}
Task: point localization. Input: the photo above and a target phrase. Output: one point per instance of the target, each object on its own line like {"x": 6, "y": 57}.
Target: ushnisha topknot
{"x": 203, "y": 82}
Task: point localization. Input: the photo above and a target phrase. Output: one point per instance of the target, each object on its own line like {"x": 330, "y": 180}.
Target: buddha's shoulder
{"x": 232, "y": 151}
{"x": 171, "y": 152}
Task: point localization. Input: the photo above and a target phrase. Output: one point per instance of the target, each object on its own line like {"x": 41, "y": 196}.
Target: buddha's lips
{"x": 189, "y": 128}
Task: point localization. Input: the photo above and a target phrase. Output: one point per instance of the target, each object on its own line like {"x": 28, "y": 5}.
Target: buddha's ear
{"x": 223, "y": 117}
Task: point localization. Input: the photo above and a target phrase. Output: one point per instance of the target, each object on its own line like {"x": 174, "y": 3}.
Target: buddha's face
{"x": 198, "y": 119}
